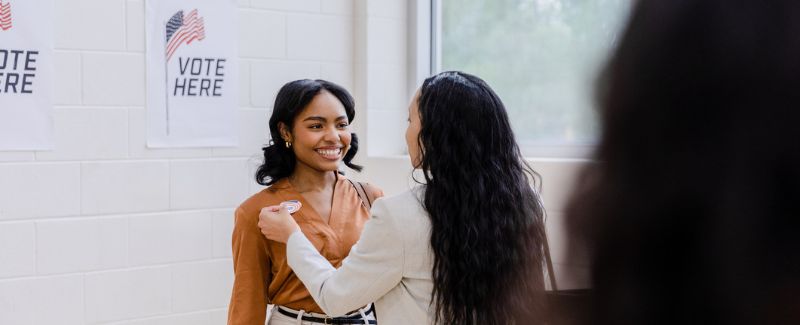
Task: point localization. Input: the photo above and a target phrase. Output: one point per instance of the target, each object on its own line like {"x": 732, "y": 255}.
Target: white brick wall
{"x": 127, "y": 293}
{"x": 17, "y": 249}
{"x": 65, "y": 246}
{"x": 31, "y": 190}
{"x": 102, "y": 229}
{"x": 124, "y": 87}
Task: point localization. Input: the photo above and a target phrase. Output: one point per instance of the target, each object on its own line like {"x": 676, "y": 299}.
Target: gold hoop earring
{"x": 288, "y": 144}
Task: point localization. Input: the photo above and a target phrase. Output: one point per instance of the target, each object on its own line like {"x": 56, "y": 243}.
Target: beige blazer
{"x": 391, "y": 265}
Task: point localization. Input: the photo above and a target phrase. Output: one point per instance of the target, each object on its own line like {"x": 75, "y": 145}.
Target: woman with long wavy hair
{"x": 465, "y": 247}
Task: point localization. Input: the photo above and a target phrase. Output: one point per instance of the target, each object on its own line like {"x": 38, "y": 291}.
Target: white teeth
{"x": 329, "y": 153}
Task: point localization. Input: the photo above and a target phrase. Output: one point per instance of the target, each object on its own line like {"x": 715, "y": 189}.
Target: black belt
{"x": 354, "y": 319}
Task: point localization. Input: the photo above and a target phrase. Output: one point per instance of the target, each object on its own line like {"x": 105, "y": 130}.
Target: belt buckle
{"x": 326, "y": 320}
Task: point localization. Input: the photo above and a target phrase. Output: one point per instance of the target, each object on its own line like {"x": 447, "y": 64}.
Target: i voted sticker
{"x": 292, "y": 205}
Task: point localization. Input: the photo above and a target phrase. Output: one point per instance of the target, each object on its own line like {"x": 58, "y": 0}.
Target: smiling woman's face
{"x": 320, "y": 136}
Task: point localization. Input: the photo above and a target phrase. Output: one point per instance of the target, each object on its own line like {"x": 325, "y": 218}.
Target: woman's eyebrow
{"x": 322, "y": 119}
{"x": 315, "y": 118}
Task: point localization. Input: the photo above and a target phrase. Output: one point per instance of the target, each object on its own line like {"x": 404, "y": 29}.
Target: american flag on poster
{"x": 192, "y": 78}
{"x": 5, "y": 15}
{"x": 183, "y": 29}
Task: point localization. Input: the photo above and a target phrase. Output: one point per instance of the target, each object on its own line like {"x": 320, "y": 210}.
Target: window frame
{"x": 425, "y": 60}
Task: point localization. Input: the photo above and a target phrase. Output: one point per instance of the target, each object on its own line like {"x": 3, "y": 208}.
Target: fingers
{"x": 271, "y": 208}
{"x": 283, "y": 210}
{"x": 265, "y": 216}
{"x": 268, "y": 213}
{"x": 264, "y": 229}
{"x": 276, "y": 223}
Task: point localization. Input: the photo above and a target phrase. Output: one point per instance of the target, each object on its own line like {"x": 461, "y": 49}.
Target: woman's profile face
{"x": 412, "y": 132}
{"x": 321, "y": 135}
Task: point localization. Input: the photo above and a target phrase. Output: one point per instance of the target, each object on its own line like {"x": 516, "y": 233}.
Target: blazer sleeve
{"x": 251, "y": 267}
{"x": 374, "y": 266}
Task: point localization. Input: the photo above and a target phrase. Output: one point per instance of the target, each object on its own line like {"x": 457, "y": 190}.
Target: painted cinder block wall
{"x": 103, "y": 230}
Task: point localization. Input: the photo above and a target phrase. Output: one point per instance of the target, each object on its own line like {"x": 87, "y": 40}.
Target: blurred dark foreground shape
{"x": 691, "y": 214}
{"x": 564, "y": 307}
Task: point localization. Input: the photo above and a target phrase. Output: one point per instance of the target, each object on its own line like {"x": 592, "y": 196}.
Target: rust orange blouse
{"x": 262, "y": 275}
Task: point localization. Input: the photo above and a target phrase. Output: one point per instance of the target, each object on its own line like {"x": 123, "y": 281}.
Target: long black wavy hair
{"x": 487, "y": 221}
{"x": 691, "y": 214}
{"x": 293, "y": 97}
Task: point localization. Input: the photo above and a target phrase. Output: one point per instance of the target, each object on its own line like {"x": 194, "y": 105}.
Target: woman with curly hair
{"x": 311, "y": 138}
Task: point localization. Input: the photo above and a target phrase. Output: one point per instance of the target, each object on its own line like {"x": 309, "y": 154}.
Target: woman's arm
{"x": 374, "y": 266}
{"x": 251, "y": 266}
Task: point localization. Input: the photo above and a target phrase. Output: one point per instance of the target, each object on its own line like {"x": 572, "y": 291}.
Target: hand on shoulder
{"x": 276, "y": 223}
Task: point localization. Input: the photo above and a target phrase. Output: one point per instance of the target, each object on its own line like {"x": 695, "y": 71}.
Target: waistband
{"x": 356, "y": 317}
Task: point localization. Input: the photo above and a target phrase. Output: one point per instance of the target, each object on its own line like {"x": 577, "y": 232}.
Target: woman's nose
{"x": 332, "y": 135}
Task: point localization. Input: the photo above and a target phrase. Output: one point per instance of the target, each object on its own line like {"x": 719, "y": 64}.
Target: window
{"x": 541, "y": 57}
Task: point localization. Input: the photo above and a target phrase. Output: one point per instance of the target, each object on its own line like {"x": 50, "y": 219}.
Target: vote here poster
{"x": 192, "y": 73}
{"x": 26, "y": 75}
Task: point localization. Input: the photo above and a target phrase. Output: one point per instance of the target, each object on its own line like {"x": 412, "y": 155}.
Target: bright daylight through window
{"x": 541, "y": 56}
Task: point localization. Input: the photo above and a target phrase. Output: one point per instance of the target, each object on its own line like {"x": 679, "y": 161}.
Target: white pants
{"x": 276, "y": 318}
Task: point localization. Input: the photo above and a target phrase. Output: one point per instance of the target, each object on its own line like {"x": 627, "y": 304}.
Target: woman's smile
{"x": 330, "y": 153}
